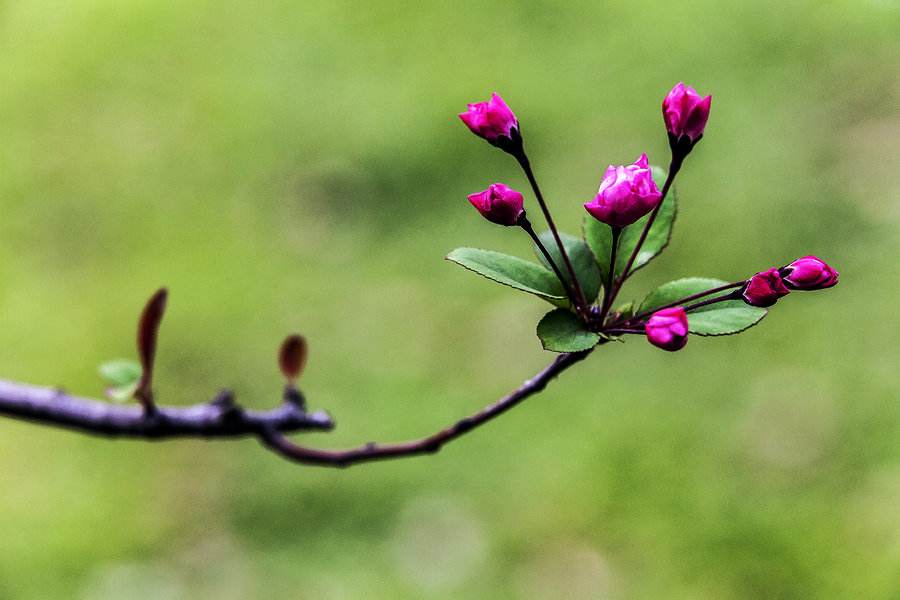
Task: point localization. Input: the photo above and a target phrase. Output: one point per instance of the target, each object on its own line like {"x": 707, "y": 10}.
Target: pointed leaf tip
{"x": 292, "y": 356}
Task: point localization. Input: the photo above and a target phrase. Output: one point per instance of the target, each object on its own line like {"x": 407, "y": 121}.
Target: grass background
{"x": 289, "y": 166}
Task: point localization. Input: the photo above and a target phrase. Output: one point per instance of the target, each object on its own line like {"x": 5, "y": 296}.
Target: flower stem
{"x": 525, "y": 224}
{"x": 623, "y": 330}
{"x": 610, "y": 277}
{"x": 696, "y": 305}
{"x": 686, "y": 299}
{"x": 580, "y": 300}
{"x": 674, "y": 167}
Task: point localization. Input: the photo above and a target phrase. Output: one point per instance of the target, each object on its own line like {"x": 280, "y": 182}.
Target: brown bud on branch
{"x": 292, "y": 357}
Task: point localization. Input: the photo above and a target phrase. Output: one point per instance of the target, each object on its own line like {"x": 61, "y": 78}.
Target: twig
{"x": 223, "y": 418}
{"x": 276, "y": 442}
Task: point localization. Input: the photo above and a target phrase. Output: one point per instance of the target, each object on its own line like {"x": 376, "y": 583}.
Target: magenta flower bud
{"x": 626, "y": 194}
{"x": 668, "y": 328}
{"x": 764, "y": 289}
{"x": 809, "y": 273}
{"x": 685, "y": 114}
{"x": 499, "y": 204}
{"x": 494, "y": 121}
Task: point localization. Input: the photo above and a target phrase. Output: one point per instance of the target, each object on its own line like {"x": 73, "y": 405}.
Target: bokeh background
{"x": 298, "y": 166}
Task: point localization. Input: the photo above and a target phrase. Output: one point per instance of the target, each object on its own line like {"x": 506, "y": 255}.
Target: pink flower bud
{"x": 626, "y": 194}
{"x": 809, "y": 273}
{"x": 764, "y": 289}
{"x": 685, "y": 114}
{"x": 492, "y": 120}
{"x": 668, "y": 328}
{"x": 499, "y": 204}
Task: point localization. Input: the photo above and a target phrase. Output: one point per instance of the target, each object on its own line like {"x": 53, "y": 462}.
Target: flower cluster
{"x": 629, "y": 223}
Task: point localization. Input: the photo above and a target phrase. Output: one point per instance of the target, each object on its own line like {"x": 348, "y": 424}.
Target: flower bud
{"x": 668, "y": 328}
{"x": 626, "y": 194}
{"x": 685, "y": 114}
{"x": 809, "y": 273}
{"x": 499, "y": 204}
{"x": 494, "y": 121}
{"x": 764, "y": 289}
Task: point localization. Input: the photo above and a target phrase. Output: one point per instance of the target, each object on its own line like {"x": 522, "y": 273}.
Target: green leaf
{"x": 599, "y": 236}
{"x": 675, "y": 290}
{"x": 582, "y": 258}
{"x": 122, "y": 393}
{"x": 724, "y": 318}
{"x": 120, "y": 372}
{"x": 562, "y": 331}
{"x": 512, "y": 271}
{"x": 123, "y": 377}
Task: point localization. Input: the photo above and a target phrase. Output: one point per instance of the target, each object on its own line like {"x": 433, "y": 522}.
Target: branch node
{"x": 294, "y": 397}
{"x": 225, "y": 402}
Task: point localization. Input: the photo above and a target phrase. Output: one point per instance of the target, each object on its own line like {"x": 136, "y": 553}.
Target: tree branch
{"x": 220, "y": 417}
{"x": 275, "y": 440}
{"x": 223, "y": 418}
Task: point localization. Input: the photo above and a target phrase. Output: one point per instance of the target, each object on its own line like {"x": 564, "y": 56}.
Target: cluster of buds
{"x": 628, "y": 193}
{"x": 807, "y": 273}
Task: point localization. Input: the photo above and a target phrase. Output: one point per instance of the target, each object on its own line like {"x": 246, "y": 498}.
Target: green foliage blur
{"x": 298, "y": 166}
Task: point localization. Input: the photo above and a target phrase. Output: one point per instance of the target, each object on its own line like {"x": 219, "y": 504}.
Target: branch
{"x": 223, "y": 418}
{"x": 275, "y": 441}
{"x": 219, "y": 418}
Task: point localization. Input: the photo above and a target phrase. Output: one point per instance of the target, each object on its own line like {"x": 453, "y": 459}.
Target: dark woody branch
{"x": 219, "y": 418}
{"x": 222, "y": 418}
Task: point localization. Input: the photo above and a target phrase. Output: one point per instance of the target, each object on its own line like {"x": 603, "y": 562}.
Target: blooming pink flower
{"x": 764, "y": 288}
{"x": 809, "y": 273}
{"x": 491, "y": 120}
{"x": 668, "y": 328}
{"x": 499, "y": 204}
{"x": 626, "y": 194}
{"x": 685, "y": 113}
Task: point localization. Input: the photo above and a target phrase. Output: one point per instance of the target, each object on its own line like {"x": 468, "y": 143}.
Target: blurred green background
{"x": 299, "y": 166}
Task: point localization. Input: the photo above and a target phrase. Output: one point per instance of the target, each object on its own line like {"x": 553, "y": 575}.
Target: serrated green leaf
{"x": 120, "y": 373}
{"x": 562, "y": 331}
{"x": 668, "y": 293}
{"x": 580, "y": 255}
{"x": 599, "y": 236}
{"x": 512, "y": 271}
{"x": 724, "y": 318}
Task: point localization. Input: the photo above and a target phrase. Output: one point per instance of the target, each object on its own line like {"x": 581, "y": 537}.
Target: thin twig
{"x": 276, "y": 442}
